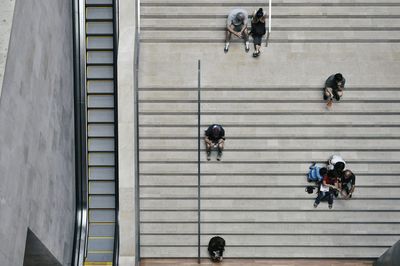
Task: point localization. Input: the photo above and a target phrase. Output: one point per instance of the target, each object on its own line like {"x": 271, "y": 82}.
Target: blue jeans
{"x": 323, "y": 196}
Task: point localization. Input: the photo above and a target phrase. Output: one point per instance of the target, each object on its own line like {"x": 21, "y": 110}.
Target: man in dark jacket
{"x": 215, "y": 137}
{"x": 334, "y": 86}
{"x": 347, "y": 184}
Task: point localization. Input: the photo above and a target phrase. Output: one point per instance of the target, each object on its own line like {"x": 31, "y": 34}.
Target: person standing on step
{"x": 334, "y": 86}
{"x": 237, "y": 25}
{"x": 327, "y": 188}
{"x": 258, "y": 29}
{"x": 347, "y": 184}
{"x": 214, "y": 138}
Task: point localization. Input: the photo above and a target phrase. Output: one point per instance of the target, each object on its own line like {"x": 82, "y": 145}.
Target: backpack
{"x": 313, "y": 175}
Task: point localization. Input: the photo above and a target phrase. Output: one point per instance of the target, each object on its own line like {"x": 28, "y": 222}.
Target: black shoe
{"x": 219, "y": 156}
{"x": 256, "y": 54}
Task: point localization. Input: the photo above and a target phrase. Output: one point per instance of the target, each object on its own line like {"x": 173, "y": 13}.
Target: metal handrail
{"x": 269, "y": 14}
{"x": 198, "y": 159}
{"x": 116, "y": 169}
{"x": 79, "y": 57}
{"x": 269, "y": 21}
{"x": 136, "y": 125}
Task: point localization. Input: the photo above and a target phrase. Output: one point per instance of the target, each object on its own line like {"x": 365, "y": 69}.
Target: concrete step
{"x": 254, "y": 107}
{"x": 270, "y": 156}
{"x": 185, "y": 11}
{"x": 218, "y": 95}
{"x": 290, "y": 119}
{"x": 281, "y": 144}
{"x": 247, "y": 193}
{"x": 265, "y": 252}
{"x": 204, "y": 36}
{"x": 279, "y": 24}
{"x": 263, "y": 2}
{"x": 280, "y": 180}
{"x": 244, "y": 205}
{"x": 267, "y": 240}
{"x": 272, "y": 228}
{"x": 271, "y": 216}
{"x": 260, "y": 168}
{"x": 233, "y": 132}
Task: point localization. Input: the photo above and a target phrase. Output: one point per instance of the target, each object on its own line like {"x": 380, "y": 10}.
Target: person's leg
{"x": 208, "y": 149}
{"x": 227, "y": 40}
{"x": 257, "y": 44}
{"x": 245, "y": 36}
{"x": 337, "y": 94}
{"x": 318, "y": 199}
{"x": 220, "y": 149}
{"x": 330, "y": 200}
{"x": 328, "y": 95}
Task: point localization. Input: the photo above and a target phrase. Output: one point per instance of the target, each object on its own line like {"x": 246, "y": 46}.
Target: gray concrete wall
{"x": 126, "y": 132}
{"x": 36, "y": 132}
{"x": 6, "y": 15}
{"x": 391, "y": 257}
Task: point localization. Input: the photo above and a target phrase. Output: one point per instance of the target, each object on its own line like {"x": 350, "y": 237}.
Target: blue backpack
{"x": 313, "y": 174}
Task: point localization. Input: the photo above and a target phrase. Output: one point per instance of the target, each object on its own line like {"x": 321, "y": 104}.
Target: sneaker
{"x": 330, "y": 206}
{"x": 315, "y": 205}
{"x": 247, "y": 47}
{"x": 226, "y": 48}
{"x": 219, "y": 156}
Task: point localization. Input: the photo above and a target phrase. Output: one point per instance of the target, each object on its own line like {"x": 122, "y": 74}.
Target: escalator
{"x": 96, "y": 240}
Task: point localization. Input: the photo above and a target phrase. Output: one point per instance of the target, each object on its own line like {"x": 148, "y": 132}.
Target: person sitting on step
{"x": 327, "y": 188}
{"x": 258, "y": 29}
{"x": 337, "y": 163}
{"x": 237, "y": 25}
{"x": 334, "y": 86}
{"x": 214, "y": 138}
{"x": 347, "y": 184}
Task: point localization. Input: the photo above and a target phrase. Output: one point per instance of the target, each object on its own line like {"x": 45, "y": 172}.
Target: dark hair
{"x": 323, "y": 171}
{"x": 338, "y": 77}
{"x": 339, "y": 167}
{"x": 332, "y": 174}
{"x": 259, "y": 13}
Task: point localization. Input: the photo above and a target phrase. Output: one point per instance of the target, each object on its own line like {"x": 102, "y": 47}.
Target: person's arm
{"x": 264, "y": 18}
{"x": 329, "y": 185}
{"x": 244, "y": 25}
{"x": 231, "y": 30}
{"x": 207, "y": 140}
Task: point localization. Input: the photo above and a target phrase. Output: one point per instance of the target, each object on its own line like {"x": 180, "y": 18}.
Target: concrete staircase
{"x": 276, "y": 124}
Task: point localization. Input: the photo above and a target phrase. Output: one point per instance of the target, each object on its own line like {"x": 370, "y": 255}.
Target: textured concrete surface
{"x": 36, "y": 133}
{"x": 6, "y": 15}
{"x": 231, "y": 262}
{"x": 126, "y": 133}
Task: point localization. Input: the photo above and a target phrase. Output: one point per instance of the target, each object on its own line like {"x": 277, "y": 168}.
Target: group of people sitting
{"x": 237, "y": 25}
{"x": 331, "y": 180}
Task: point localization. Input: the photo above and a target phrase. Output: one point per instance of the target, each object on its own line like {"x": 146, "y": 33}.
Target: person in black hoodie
{"x": 215, "y": 137}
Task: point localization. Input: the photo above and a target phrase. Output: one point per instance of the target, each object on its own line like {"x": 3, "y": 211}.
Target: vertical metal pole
{"x": 198, "y": 160}
{"x": 137, "y": 137}
{"x": 269, "y": 16}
